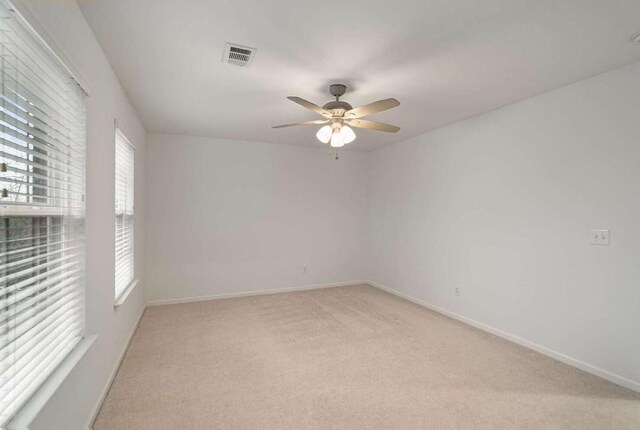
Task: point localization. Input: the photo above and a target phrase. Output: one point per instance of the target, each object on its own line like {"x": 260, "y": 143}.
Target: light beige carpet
{"x": 344, "y": 358}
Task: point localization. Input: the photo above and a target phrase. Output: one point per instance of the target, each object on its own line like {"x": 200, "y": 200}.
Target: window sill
{"x": 123, "y": 297}
{"x": 34, "y": 405}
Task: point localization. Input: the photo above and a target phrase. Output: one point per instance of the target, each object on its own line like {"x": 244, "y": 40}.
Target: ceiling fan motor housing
{"x": 337, "y": 107}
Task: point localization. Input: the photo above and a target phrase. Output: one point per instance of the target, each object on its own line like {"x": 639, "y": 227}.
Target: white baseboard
{"x": 114, "y": 372}
{"x": 252, "y": 293}
{"x": 604, "y": 374}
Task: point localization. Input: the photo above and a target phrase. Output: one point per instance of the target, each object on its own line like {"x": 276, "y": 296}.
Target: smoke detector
{"x": 238, "y": 55}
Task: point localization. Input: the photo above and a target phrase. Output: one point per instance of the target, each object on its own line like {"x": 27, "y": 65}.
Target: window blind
{"x": 124, "y": 214}
{"x": 42, "y": 178}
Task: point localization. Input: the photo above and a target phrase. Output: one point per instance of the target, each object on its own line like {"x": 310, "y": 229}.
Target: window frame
{"x": 23, "y": 415}
{"x": 121, "y": 297}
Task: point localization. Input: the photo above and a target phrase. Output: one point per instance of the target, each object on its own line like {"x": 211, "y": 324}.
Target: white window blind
{"x": 124, "y": 214}
{"x": 42, "y": 178}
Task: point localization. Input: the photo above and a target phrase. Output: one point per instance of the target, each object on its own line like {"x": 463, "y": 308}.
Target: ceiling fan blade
{"x": 311, "y": 106}
{"x": 371, "y": 108}
{"x": 372, "y": 125}
{"x": 315, "y": 122}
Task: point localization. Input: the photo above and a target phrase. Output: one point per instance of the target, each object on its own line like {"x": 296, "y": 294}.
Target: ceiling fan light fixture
{"x": 324, "y": 134}
{"x": 347, "y": 133}
{"x": 337, "y": 139}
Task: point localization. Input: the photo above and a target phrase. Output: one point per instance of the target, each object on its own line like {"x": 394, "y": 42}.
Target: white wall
{"x": 501, "y": 206}
{"x": 72, "y": 405}
{"x": 229, "y": 216}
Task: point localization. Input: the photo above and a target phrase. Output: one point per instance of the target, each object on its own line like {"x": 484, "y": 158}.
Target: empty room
{"x": 281, "y": 214}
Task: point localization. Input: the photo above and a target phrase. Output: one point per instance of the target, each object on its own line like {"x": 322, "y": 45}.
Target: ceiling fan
{"x": 339, "y": 115}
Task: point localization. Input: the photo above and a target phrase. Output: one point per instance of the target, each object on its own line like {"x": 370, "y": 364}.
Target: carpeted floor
{"x": 344, "y": 358}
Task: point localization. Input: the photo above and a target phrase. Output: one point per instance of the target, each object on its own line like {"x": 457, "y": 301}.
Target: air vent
{"x": 238, "y": 55}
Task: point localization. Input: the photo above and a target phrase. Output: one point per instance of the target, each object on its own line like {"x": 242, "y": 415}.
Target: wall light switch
{"x": 600, "y": 237}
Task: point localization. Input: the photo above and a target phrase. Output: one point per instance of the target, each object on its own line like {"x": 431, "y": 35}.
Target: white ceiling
{"x": 444, "y": 60}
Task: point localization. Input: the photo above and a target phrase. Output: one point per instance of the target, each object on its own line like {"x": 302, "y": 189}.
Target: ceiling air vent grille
{"x": 238, "y": 55}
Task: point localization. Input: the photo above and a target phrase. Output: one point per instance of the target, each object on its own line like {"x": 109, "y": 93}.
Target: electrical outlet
{"x": 600, "y": 237}
{"x": 457, "y": 292}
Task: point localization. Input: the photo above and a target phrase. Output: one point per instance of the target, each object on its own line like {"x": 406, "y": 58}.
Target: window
{"x": 42, "y": 209}
{"x": 124, "y": 216}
